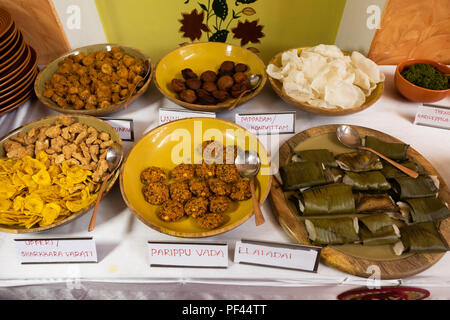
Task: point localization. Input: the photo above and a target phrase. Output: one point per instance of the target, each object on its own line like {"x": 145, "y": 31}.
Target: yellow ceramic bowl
{"x": 52, "y": 67}
{"x": 201, "y": 57}
{"x": 84, "y": 119}
{"x": 277, "y": 86}
{"x": 161, "y": 147}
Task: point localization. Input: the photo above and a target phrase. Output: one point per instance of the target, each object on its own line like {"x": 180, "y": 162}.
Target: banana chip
{"x": 33, "y": 192}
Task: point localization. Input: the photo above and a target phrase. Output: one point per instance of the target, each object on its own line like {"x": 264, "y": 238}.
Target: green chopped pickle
{"x": 420, "y": 238}
{"x": 426, "y": 76}
{"x": 366, "y": 181}
{"x": 393, "y": 150}
{"x": 317, "y": 155}
{"x": 427, "y": 209}
{"x": 410, "y": 188}
{"x": 331, "y": 199}
{"x": 297, "y": 175}
{"x": 332, "y": 231}
{"x": 359, "y": 161}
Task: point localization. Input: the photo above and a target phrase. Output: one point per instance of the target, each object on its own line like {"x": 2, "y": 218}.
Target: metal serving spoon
{"x": 248, "y": 164}
{"x": 350, "y": 138}
{"x": 114, "y": 157}
{"x": 255, "y": 81}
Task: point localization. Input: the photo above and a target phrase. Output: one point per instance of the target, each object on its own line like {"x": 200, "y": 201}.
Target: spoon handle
{"x": 236, "y": 102}
{"x": 406, "y": 170}
{"x": 97, "y": 202}
{"x": 259, "y": 218}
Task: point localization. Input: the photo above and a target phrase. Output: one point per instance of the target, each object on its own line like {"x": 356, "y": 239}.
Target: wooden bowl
{"x": 10, "y": 75}
{"x": 415, "y": 93}
{"x": 85, "y": 119}
{"x": 159, "y": 148}
{"x": 278, "y": 88}
{"x": 201, "y": 57}
{"x": 52, "y": 67}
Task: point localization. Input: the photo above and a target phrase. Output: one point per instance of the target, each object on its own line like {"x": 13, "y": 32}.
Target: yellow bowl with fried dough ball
{"x": 90, "y": 121}
{"x": 201, "y": 57}
{"x": 47, "y": 72}
{"x": 178, "y": 142}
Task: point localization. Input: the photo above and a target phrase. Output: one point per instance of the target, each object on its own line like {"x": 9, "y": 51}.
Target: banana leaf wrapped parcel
{"x": 366, "y": 181}
{"x": 391, "y": 172}
{"x": 420, "y": 187}
{"x": 392, "y": 150}
{"x": 424, "y": 209}
{"x": 332, "y": 199}
{"x": 323, "y": 156}
{"x": 421, "y": 237}
{"x": 359, "y": 161}
{"x": 333, "y": 231}
{"x": 378, "y": 229}
{"x": 298, "y": 175}
{"x": 374, "y": 202}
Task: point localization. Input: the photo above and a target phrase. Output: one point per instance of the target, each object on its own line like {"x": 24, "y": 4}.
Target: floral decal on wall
{"x": 219, "y": 21}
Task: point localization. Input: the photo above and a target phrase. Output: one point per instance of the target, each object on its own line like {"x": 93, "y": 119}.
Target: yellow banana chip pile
{"x": 34, "y": 192}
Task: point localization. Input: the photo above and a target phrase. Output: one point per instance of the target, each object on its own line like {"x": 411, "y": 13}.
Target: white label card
{"x": 124, "y": 127}
{"x": 267, "y": 123}
{"x": 433, "y": 116}
{"x": 176, "y": 254}
{"x": 62, "y": 250}
{"x": 168, "y": 115}
{"x": 286, "y": 256}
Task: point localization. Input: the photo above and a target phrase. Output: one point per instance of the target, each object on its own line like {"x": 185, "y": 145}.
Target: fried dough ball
{"x": 227, "y": 67}
{"x": 179, "y": 191}
{"x": 205, "y": 170}
{"x": 205, "y": 98}
{"x": 209, "y": 86}
{"x": 178, "y": 85}
{"x": 193, "y": 83}
{"x": 199, "y": 187}
{"x": 219, "y": 187}
{"x": 183, "y": 172}
{"x": 239, "y": 77}
{"x": 210, "y": 220}
{"x": 171, "y": 211}
{"x": 188, "y": 74}
{"x": 241, "y": 190}
{"x": 221, "y": 95}
{"x": 219, "y": 204}
{"x": 153, "y": 174}
{"x": 208, "y": 76}
{"x": 196, "y": 207}
{"x": 228, "y": 173}
{"x": 155, "y": 193}
{"x": 225, "y": 82}
{"x": 240, "y": 67}
{"x": 188, "y": 96}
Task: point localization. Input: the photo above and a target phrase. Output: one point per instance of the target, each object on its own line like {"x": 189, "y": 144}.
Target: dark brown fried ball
{"x": 237, "y": 89}
{"x": 209, "y": 86}
{"x": 210, "y": 220}
{"x": 239, "y": 77}
{"x": 183, "y": 172}
{"x": 194, "y": 83}
{"x": 179, "y": 191}
{"x": 196, "y": 207}
{"x": 205, "y": 170}
{"x": 241, "y": 190}
{"x": 240, "y": 67}
{"x": 219, "y": 187}
{"x": 153, "y": 174}
{"x": 171, "y": 211}
{"x": 199, "y": 187}
{"x": 227, "y": 173}
{"x": 219, "y": 203}
{"x": 178, "y": 85}
{"x": 188, "y": 96}
{"x": 208, "y": 76}
{"x": 227, "y": 67}
{"x": 155, "y": 193}
{"x": 225, "y": 82}
{"x": 205, "y": 98}
{"x": 221, "y": 95}
{"x": 188, "y": 74}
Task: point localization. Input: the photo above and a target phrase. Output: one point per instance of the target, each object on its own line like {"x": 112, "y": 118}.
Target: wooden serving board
{"x": 337, "y": 256}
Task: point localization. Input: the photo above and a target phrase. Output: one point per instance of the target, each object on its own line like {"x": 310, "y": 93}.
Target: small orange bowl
{"x": 415, "y": 93}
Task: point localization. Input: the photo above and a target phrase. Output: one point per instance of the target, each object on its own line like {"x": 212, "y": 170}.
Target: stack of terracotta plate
{"x": 18, "y": 65}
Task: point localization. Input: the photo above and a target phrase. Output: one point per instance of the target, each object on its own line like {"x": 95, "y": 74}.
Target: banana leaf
{"x": 388, "y": 235}
{"x": 327, "y": 200}
{"x": 393, "y": 150}
{"x": 366, "y": 181}
{"x": 427, "y": 209}
{"x": 317, "y": 155}
{"x": 359, "y": 161}
{"x": 376, "y": 222}
{"x": 378, "y": 202}
{"x": 297, "y": 175}
{"x": 332, "y": 231}
{"x": 421, "y": 238}
{"x": 390, "y": 172}
{"x": 409, "y": 188}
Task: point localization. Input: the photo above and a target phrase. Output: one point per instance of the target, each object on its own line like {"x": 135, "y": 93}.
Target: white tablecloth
{"x": 123, "y": 271}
